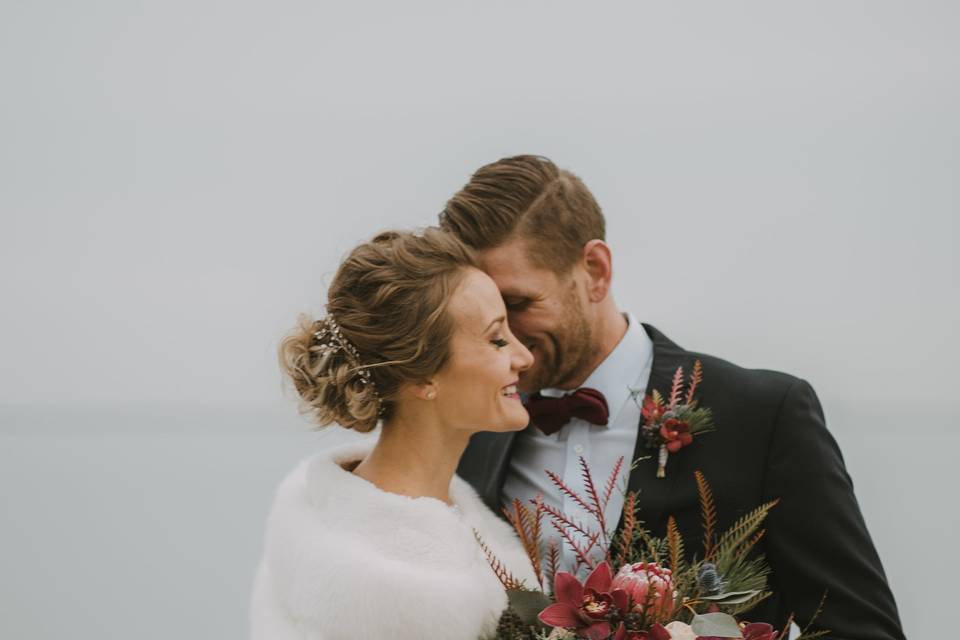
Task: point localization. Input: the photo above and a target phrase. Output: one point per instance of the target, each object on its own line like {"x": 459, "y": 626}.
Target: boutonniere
{"x": 669, "y": 425}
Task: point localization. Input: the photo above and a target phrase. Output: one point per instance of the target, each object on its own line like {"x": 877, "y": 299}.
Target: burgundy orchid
{"x": 656, "y": 632}
{"x": 652, "y": 411}
{"x": 676, "y": 433}
{"x": 585, "y": 607}
{"x": 759, "y": 631}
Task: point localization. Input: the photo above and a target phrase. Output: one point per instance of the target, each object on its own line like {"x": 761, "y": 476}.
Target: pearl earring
{"x": 431, "y": 394}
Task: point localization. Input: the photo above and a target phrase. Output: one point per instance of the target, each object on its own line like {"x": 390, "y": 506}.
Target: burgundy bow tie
{"x": 549, "y": 414}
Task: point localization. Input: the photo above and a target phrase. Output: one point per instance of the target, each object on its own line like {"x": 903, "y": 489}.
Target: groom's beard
{"x": 569, "y": 353}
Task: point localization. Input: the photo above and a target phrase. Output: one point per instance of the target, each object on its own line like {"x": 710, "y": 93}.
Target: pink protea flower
{"x": 647, "y": 584}
{"x": 587, "y": 607}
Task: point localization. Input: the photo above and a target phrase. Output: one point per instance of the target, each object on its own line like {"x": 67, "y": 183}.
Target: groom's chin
{"x": 530, "y": 382}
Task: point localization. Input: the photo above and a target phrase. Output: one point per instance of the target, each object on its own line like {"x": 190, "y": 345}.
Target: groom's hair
{"x": 526, "y": 196}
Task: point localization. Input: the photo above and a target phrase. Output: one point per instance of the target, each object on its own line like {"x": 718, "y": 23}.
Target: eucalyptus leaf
{"x": 731, "y": 597}
{"x": 716, "y": 624}
{"x": 528, "y": 604}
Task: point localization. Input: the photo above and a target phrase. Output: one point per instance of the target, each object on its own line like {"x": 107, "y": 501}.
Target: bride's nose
{"x": 522, "y": 358}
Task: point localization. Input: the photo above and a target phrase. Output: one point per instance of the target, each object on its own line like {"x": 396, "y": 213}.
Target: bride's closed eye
{"x": 500, "y": 343}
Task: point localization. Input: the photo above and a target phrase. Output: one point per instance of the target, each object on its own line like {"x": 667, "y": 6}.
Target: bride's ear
{"x": 424, "y": 390}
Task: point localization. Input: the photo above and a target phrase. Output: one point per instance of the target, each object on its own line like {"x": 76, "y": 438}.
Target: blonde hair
{"x": 389, "y": 298}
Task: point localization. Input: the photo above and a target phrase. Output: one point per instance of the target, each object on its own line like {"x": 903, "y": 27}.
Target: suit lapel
{"x": 654, "y": 493}
{"x": 485, "y": 463}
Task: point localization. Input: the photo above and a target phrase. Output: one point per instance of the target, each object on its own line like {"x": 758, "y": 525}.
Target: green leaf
{"x": 715, "y": 624}
{"x": 528, "y": 604}
{"x": 732, "y": 597}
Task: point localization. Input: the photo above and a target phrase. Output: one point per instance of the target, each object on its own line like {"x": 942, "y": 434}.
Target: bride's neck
{"x": 415, "y": 459}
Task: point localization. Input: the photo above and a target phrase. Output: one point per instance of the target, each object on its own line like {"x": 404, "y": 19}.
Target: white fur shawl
{"x": 344, "y": 559}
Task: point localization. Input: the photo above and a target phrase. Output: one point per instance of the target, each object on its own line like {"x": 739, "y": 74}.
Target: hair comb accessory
{"x": 332, "y": 340}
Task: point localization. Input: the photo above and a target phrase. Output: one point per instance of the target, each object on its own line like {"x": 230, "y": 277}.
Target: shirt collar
{"x": 621, "y": 369}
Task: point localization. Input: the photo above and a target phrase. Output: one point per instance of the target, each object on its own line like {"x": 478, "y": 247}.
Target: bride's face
{"x": 476, "y": 389}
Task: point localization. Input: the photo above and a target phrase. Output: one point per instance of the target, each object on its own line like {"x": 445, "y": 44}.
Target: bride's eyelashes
{"x": 499, "y": 343}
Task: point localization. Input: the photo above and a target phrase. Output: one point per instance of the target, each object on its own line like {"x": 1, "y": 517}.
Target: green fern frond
{"x": 708, "y": 512}
{"x": 740, "y": 533}
{"x": 675, "y": 544}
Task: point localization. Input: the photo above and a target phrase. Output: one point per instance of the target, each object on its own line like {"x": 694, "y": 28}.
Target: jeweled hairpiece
{"x": 331, "y": 340}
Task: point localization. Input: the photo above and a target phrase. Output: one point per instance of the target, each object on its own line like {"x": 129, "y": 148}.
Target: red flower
{"x": 758, "y": 631}
{"x": 647, "y": 583}
{"x": 651, "y": 410}
{"x": 585, "y": 607}
{"x": 676, "y": 434}
{"x": 656, "y": 632}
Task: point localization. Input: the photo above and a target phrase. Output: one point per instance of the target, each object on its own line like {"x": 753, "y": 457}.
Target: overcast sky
{"x": 180, "y": 180}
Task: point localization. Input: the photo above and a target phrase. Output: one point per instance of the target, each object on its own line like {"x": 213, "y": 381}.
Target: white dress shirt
{"x": 627, "y": 368}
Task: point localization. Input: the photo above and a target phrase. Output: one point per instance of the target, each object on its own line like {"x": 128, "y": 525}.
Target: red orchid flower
{"x": 585, "y": 607}
{"x": 676, "y": 433}
{"x": 651, "y": 410}
{"x": 758, "y": 631}
{"x": 656, "y": 632}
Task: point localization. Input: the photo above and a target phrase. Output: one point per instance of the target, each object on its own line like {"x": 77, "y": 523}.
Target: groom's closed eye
{"x": 516, "y": 304}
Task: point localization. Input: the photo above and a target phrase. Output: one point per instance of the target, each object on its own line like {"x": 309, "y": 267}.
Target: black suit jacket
{"x": 770, "y": 442}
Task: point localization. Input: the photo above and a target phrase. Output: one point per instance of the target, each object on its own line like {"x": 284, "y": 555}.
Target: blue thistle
{"x": 708, "y": 580}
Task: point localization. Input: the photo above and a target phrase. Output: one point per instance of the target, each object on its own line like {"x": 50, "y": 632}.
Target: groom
{"x": 540, "y": 235}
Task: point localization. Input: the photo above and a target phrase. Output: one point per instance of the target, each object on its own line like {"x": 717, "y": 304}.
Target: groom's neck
{"x": 607, "y": 330}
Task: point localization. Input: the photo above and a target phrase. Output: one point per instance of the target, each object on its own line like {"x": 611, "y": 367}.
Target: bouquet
{"x": 642, "y": 587}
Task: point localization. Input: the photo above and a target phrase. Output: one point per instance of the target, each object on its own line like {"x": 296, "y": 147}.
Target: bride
{"x": 379, "y": 539}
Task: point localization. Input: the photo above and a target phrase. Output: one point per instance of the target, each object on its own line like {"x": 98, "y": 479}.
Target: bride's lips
{"x": 510, "y": 391}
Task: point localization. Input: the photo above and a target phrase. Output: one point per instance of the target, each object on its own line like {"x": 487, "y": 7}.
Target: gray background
{"x": 180, "y": 179}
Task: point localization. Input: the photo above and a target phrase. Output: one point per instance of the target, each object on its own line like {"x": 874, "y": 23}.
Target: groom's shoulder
{"x": 728, "y": 377}
{"x": 748, "y": 378}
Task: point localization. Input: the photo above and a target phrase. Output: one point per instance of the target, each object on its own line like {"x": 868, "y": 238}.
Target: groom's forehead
{"x": 512, "y": 270}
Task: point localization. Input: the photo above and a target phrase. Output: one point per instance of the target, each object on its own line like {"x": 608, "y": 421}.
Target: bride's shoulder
{"x": 319, "y": 474}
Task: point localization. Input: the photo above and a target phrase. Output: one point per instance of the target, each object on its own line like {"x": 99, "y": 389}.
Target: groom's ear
{"x": 598, "y": 264}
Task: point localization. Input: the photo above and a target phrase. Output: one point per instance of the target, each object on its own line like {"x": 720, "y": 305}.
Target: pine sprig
{"x": 594, "y": 498}
{"x": 507, "y": 579}
{"x": 612, "y": 481}
{"x": 675, "y": 544}
{"x": 696, "y": 377}
{"x": 565, "y": 525}
{"x": 749, "y": 604}
{"x": 657, "y": 398}
{"x": 527, "y": 526}
{"x": 804, "y": 635}
{"x": 582, "y": 554}
{"x": 747, "y": 547}
{"x": 553, "y": 563}
{"x": 708, "y": 511}
{"x": 625, "y": 539}
{"x": 561, "y": 519}
{"x": 783, "y": 635}
{"x": 573, "y": 495}
{"x": 676, "y": 388}
{"x": 741, "y": 531}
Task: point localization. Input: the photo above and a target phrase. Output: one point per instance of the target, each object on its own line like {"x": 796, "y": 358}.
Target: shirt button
{"x": 578, "y": 448}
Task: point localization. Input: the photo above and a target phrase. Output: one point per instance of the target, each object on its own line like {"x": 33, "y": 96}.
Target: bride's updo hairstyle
{"x": 388, "y": 301}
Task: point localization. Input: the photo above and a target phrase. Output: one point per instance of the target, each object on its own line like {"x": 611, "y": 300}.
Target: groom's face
{"x": 546, "y": 311}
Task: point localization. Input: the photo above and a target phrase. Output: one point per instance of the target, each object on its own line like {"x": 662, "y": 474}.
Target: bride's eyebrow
{"x": 494, "y": 321}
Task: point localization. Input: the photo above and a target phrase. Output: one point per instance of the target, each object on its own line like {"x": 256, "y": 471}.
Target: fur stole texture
{"x": 344, "y": 559}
